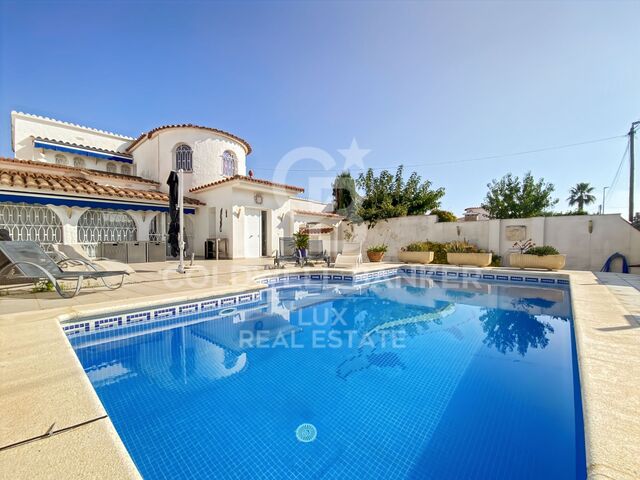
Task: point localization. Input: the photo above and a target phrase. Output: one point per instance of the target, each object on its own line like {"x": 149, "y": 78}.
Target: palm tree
{"x": 581, "y": 195}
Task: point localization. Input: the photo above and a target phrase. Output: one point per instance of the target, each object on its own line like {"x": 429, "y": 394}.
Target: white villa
{"x": 74, "y": 184}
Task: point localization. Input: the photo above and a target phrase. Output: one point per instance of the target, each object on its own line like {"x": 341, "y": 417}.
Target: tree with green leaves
{"x": 388, "y": 195}
{"x": 512, "y": 197}
{"x": 581, "y": 195}
{"x": 345, "y": 197}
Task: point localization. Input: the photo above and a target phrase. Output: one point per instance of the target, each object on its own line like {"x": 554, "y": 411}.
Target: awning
{"x": 79, "y": 202}
{"x": 61, "y": 147}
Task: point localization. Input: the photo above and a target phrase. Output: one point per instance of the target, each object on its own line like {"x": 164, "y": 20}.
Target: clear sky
{"x": 423, "y": 83}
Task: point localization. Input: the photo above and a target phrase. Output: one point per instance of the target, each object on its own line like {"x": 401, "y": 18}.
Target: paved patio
{"x": 49, "y": 408}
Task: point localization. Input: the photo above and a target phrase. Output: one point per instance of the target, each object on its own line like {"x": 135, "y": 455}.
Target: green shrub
{"x": 417, "y": 247}
{"x": 496, "y": 260}
{"x": 542, "y": 251}
{"x": 377, "y": 248}
{"x": 444, "y": 215}
{"x": 461, "y": 247}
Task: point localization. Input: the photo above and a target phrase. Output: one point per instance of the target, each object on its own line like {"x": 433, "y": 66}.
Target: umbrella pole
{"x": 181, "y": 268}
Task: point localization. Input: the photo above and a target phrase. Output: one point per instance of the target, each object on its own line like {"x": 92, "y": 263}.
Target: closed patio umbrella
{"x": 174, "y": 214}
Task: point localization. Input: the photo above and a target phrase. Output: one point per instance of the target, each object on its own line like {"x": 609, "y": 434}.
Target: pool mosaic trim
{"x": 418, "y": 271}
{"x": 159, "y": 313}
{"x": 438, "y": 272}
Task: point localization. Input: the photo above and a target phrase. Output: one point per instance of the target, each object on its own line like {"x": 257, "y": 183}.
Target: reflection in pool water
{"x": 482, "y": 385}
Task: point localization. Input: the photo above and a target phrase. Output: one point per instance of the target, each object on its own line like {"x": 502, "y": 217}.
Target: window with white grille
{"x": 78, "y": 162}
{"x": 184, "y": 158}
{"x": 37, "y": 223}
{"x": 229, "y": 164}
{"x": 102, "y": 225}
{"x": 61, "y": 159}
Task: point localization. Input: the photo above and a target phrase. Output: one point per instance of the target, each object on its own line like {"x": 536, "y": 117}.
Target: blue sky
{"x": 431, "y": 84}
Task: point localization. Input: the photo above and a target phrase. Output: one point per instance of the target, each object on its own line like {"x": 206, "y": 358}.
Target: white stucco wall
{"x": 154, "y": 158}
{"x": 25, "y": 127}
{"x": 569, "y": 234}
{"x": 234, "y": 200}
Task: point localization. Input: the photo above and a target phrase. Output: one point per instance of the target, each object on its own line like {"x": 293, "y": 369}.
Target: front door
{"x": 252, "y": 233}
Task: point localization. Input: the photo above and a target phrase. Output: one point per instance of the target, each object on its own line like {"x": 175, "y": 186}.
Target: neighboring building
{"x": 474, "y": 214}
{"x": 74, "y": 184}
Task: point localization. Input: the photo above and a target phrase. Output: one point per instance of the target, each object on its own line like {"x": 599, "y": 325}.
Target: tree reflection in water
{"x": 509, "y": 330}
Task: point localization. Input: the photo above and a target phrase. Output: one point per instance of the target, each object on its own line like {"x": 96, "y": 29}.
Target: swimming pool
{"x": 402, "y": 378}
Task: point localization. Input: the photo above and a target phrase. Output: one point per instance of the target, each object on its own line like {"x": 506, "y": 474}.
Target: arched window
{"x": 61, "y": 159}
{"x": 184, "y": 156}
{"x": 125, "y": 170}
{"x": 78, "y": 162}
{"x": 229, "y": 164}
{"x": 112, "y": 167}
{"x": 101, "y": 225}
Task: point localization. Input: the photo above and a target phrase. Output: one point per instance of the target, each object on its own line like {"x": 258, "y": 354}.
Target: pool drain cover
{"x": 306, "y": 432}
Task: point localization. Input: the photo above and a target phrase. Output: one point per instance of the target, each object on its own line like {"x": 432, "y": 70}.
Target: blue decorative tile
{"x": 164, "y": 312}
{"x": 547, "y": 280}
{"x": 191, "y": 308}
{"x": 516, "y": 279}
{"x": 488, "y": 277}
{"x": 209, "y": 304}
{"x": 531, "y": 279}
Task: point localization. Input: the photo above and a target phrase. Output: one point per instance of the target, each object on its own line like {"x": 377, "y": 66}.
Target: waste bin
{"x": 113, "y": 251}
{"x": 156, "y": 251}
{"x": 136, "y": 252}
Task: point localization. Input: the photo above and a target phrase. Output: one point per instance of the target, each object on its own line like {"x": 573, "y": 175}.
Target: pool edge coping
{"x": 597, "y": 460}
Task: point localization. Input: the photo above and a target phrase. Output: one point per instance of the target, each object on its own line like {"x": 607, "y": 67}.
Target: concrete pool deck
{"x": 52, "y": 421}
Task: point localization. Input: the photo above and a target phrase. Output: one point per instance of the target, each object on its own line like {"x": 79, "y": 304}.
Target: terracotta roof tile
{"x": 150, "y": 133}
{"x": 245, "y": 178}
{"x": 99, "y": 173}
{"x": 319, "y": 214}
{"x": 15, "y": 180}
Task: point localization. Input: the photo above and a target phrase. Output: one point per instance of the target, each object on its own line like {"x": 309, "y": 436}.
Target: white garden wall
{"x": 588, "y": 240}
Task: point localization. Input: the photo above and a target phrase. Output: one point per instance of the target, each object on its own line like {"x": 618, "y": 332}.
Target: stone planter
{"x": 546, "y": 262}
{"x": 474, "y": 259}
{"x": 415, "y": 257}
{"x": 375, "y": 256}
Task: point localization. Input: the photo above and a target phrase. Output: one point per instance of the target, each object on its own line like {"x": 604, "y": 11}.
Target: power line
{"x": 475, "y": 159}
{"x": 617, "y": 175}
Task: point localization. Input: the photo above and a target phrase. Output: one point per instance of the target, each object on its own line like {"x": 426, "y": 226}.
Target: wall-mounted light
{"x": 458, "y": 229}
{"x": 590, "y": 226}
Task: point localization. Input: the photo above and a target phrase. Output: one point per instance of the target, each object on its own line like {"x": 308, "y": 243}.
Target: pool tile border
{"x": 439, "y": 272}
{"x": 159, "y": 313}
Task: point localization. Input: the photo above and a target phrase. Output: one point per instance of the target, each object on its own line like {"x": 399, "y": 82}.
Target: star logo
{"x": 353, "y": 156}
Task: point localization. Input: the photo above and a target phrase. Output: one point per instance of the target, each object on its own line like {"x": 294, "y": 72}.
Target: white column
{"x": 69, "y": 217}
{"x": 142, "y": 219}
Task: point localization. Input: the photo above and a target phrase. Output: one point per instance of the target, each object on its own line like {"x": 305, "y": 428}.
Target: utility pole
{"x": 632, "y": 168}
{"x": 604, "y": 193}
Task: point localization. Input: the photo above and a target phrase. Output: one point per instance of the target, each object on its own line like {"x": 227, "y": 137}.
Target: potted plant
{"x": 301, "y": 242}
{"x": 376, "y": 252}
{"x": 530, "y": 256}
{"x": 417, "y": 252}
{"x": 463, "y": 253}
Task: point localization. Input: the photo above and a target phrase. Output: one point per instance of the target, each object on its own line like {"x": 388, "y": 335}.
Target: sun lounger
{"x": 316, "y": 251}
{"x": 287, "y": 253}
{"x": 350, "y": 256}
{"x": 75, "y": 252}
{"x": 28, "y": 261}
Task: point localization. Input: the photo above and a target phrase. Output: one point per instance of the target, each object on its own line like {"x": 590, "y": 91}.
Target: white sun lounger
{"x": 75, "y": 251}
{"x": 350, "y": 256}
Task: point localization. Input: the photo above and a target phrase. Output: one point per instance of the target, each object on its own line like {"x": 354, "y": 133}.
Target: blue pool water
{"x": 394, "y": 380}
